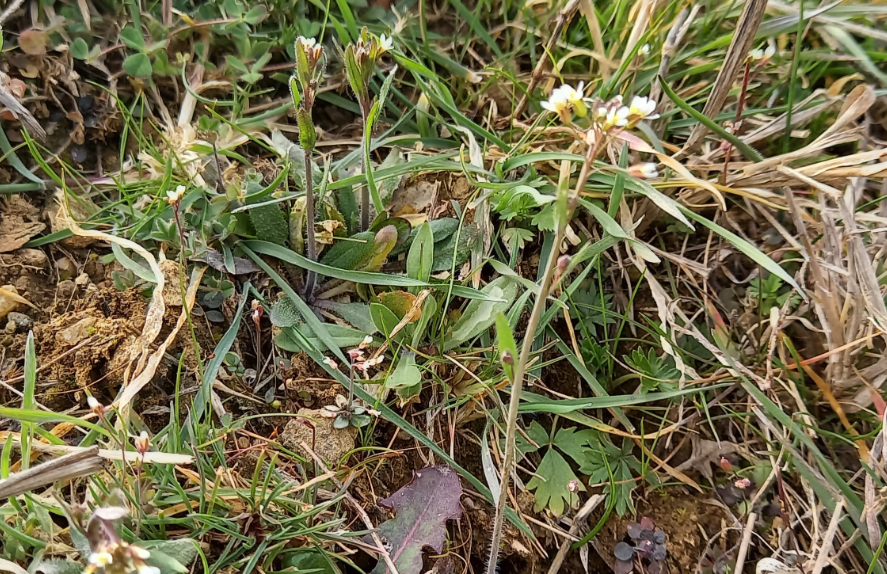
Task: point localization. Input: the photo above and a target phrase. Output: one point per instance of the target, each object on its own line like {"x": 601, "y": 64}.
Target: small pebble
{"x": 66, "y": 269}
{"x": 33, "y": 258}
{"x": 21, "y": 321}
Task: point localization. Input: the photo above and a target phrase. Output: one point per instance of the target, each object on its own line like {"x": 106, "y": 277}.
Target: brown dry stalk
{"x": 564, "y": 18}
{"x": 743, "y": 38}
{"x": 70, "y": 466}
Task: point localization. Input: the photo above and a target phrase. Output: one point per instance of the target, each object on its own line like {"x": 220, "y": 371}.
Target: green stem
{"x": 311, "y": 248}
{"x": 364, "y": 190}
{"x": 521, "y": 367}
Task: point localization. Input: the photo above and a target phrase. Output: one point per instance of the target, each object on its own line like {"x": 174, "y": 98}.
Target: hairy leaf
{"x": 423, "y": 507}
{"x": 458, "y": 245}
{"x": 270, "y": 224}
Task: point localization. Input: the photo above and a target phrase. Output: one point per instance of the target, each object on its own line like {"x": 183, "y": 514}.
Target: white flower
{"x": 330, "y": 363}
{"x": 174, "y": 197}
{"x": 644, "y": 170}
{"x": 368, "y": 340}
{"x": 386, "y": 43}
{"x": 643, "y": 108}
{"x": 142, "y": 442}
{"x": 556, "y": 102}
{"x": 306, "y": 42}
{"x": 762, "y": 55}
{"x": 100, "y": 559}
{"x": 616, "y": 117}
{"x": 644, "y": 50}
{"x": 145, "y": 569}
{"x": 93, "y": 403}
{"x": 139, "y": 552}
{"x": 566, "y": 99}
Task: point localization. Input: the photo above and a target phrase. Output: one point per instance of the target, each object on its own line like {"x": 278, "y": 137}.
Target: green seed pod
{"x": 307, "y": 133}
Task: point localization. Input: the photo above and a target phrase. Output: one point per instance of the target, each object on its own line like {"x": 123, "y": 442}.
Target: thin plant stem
{"x": 521, "y": 367}
{"x": 738, "y": 121}
{"x": 350, "y": 385}
{"x": 364, "y": 190}
{"x": 311, "y": 276}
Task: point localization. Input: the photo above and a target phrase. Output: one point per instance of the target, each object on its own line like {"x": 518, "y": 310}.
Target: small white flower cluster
{"x": 566, "y": 101}
{"x": 614, "y": 114}
{"x": 120, "y": 557}
{"x": 356, "y": 356}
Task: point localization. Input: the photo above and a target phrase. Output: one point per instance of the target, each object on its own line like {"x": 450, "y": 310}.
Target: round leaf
{"x": 79, "y": 49}
{"x": 138, "y": 66}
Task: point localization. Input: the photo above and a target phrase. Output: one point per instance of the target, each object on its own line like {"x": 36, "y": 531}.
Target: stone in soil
{"x": 328, "y": 442}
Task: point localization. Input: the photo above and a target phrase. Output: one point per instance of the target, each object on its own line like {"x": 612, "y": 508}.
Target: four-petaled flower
{"x": 642, "y": 108}
{"x": 615, "y": 117}
{"x": 306, "y": 42}
{"x": 762, "y": 55}
{"x": 566, "y": 100}
{"x": 174, "y": 197}
{"x": 142, "y": 443}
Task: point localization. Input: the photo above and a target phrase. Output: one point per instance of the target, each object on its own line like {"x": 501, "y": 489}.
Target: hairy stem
{"x": 365, "y": 190}
{"x": 519, "y": 371}
{"x": 521, "y": 366}
{"x": 311, "y": 276}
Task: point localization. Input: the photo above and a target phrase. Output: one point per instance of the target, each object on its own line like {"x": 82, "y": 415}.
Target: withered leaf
{"x": 423, "y": 507}
{"x": 706, "y": 453}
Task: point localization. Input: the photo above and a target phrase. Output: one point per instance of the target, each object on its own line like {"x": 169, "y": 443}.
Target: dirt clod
{"x": 33, "y": 258}
{"x": 21, "y": 321}
{"x": 328, "y": 442}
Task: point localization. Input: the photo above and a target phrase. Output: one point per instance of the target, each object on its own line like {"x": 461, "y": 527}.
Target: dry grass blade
{"x": 743, "y": 38}
{"x": 564, "y": 18}
{"x": 578, "y": 522}
{"x": 83, "y": 462}
{"x": 147, "y": 373}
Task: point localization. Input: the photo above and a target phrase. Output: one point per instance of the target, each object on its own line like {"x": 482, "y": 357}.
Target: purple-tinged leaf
{"x": 623, "y": 551}
{"x": 423, "y": 507}
{"x": 647, "y": 523}
{"x": 623, "y": 567}
{"x": 634, "y": 530}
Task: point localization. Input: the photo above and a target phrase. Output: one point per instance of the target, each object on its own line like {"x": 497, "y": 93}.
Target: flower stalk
{"x": 360, "y": 63}
{"x": 303, "y": 88}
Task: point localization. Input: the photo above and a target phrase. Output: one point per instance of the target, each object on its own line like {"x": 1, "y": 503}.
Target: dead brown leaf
{"x": 706, "y": 453}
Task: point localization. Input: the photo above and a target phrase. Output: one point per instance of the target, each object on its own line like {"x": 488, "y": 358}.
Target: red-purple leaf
{"x": 423, "y": 507}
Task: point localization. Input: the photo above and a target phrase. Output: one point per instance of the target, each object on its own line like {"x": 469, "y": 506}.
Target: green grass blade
{"x": 304, "y": 310}
{"x": 740, "y": 145}
{"x": 747, "y": 248}
{"x": 563, "y": 406}
{"x": 365, "y": 277}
